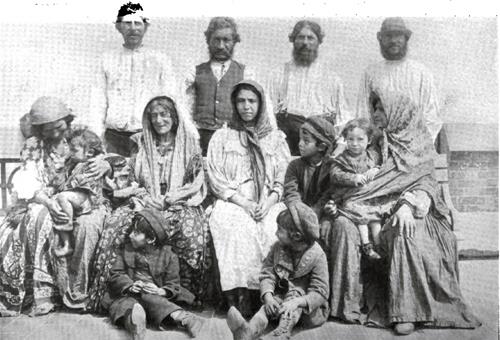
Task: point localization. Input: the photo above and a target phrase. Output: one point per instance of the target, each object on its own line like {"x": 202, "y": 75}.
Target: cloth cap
{"x": 394, "y": 24}
{"x": 321, "y": 128}
{"x": 300, "y": 218}
{"x": 47, "y": 110}
{"x": 156, "y": 221}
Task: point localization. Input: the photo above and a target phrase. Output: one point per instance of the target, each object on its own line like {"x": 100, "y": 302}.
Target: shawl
{"x": 250, "y": 135}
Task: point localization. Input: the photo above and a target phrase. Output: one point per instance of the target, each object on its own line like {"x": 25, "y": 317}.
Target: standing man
{"x": 397, "y": 73}
{"x": 208, "y": 87}
{"x": 127, "y": 79}
{"x": 306, "y": 85}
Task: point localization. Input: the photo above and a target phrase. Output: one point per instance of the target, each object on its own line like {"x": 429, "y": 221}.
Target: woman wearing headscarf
{"x": 168, "y": 164}
{"x": 246, "y": 167}
{"x": 419, "y": 281}
{"x": 32, "y": 279}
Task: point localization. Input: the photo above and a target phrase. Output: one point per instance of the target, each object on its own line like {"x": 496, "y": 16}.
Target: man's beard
{"x": 391, "y": 56}
{"x": 228, "y": 54}
{"x": 305, "y": 59}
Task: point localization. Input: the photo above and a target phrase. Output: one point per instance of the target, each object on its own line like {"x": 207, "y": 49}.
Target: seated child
{"x": 145, "y": 281}
{"x": 293, "y": 281}
{"x": 81, "y": 192}
{"x": 356, "y": 166}
{"x": 122, "y": 189}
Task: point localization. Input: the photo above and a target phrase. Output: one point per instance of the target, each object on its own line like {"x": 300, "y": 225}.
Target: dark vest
{"x": 213, "y": 103}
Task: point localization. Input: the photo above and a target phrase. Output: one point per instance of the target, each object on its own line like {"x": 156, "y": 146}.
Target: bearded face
{"x": 393, "y": 45}
{"x": 221, "y": 44}
{"x": 305, "y": 47}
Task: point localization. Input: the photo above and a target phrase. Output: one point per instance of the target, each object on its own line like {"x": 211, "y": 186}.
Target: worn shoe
{"x": 135, "y": 322}
{"x": 243, "y": 330}
{"x": 404, "y": 328}
{"x": 370, "y": 252}
{"x": 193, "y": 323}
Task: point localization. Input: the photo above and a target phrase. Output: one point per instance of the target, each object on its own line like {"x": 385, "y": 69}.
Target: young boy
{"x": 293, "y": 281}
{"x": 145, "y": 280}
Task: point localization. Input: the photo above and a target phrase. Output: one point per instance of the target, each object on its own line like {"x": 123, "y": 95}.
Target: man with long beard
{"x": 208, "y": 87}
{"x": 397, "y": 73}
{"x": 127, "y": 79}
{"x": 306, "y": 86}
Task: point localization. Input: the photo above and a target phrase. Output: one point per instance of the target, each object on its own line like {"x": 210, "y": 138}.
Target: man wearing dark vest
{"x": 208, "y": 88}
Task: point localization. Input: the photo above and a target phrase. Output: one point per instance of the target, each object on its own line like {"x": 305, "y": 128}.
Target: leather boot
{"x": 192, "y": 322}
{"x": 135, "y": 322}
{"x": 243, "y": 330}
{"x": 285, "y": 326}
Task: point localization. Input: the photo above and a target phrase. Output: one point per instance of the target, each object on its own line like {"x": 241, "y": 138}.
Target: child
{"x": 145, "y": 280}
{"x": 357, "y": 166}
{"x": 293, "y": 281}
{"x": 82, "y": 192}
{"x": 122, "y": 189}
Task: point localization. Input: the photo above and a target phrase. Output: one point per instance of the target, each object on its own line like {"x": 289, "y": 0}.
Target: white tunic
{"x": 406, "y": 76}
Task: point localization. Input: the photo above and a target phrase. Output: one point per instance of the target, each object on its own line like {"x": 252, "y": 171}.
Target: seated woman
{"x": 168, "y": 165}
{"x": 32, "y": 280}
{"x": 246, "y": 168}
{"x": 420, "y": 283}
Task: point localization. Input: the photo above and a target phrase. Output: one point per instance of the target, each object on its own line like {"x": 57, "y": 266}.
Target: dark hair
{"x": 314, "y": 26}
{"x": 247, "y": 87}
{"x": 318, "y": 142}
{"x": 117, "y": 162}
{"x": 360, "y": 123}
{"x": 285, "y": 221}
{"x": 219, "y": 23}
{"x": 129, "y": 8}
{"x": 37, "y": 129}
{"x": 87, "y": 139}
{"x": 169, "y": 106}
{"x": 141, "y": 225}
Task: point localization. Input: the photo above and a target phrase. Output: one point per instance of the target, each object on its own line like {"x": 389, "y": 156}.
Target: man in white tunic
{"x": 126, "y": 80}
{"x": 397, "y": 73}
{"x": 306, "y": 85}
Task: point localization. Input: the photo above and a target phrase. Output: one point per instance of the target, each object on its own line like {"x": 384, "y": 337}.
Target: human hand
{"x": 271, "y": 305}
{"x": 153, "y": 203}
{"x": 57, "y": 214}
{"x": 404, "y": 220}
{"x": 151, "y": 288}
{"x": 371, "y": 173}
{"x": 136, "y": 287}
{"x": 330, "y": 208}
{"x": 98, "y": 167}
{"x": 290, "y": 306}
{"x": 360, "y": 179}
{"x": 250, "y": 207}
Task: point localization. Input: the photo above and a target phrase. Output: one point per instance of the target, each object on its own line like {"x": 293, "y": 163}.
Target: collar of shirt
{"x": 217, "y": 67}
{"x": 131, "y": 51}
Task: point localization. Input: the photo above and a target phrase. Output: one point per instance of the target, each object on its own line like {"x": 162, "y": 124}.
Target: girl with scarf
{"x": 419, "y": 284}
{"x": 246, "y": 169}
{"x": 168, "y": 164}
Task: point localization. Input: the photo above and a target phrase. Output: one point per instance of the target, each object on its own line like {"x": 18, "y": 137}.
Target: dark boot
{"x": 135, "y": 322}
{"x": 243, "y": 330}
{"x": 192, "y": 322}
{"x": 285, "y": 326}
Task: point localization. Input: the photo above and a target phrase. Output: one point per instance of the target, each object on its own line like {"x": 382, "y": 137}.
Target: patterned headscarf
{"x": 406, "y": 135}
{"x": 250, "y": 135}
{"x": 186, "y": 145}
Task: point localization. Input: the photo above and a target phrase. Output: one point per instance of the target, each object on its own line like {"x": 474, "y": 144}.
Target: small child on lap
{"x": 293, "y": 281}
{"x": 145, "y": 282}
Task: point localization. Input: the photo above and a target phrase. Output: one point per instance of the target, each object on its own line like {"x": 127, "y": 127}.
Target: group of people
{"x": 141, "y": 226}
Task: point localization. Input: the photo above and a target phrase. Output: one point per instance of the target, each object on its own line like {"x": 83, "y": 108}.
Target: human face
{"x": 54, "y": 131}
{"x": 78, "y": 152}
{"x": 356, "y": 141}
{"x": 283, "y": 236}
{"x": 305, "y": 46}
{"x": 308, "y": 145}
{"x": 379, "y": 117}
{"x": 132, "y": 28}
{"x": 221, "y": 44}
{"x": 247, "y": 105}
{"x": 138, "y": 239}
{"x": 393, "y": 45}
{"x": 161, "y": 120}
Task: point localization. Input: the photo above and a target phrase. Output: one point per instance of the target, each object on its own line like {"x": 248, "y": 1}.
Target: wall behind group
{"x": 61, "y": 59}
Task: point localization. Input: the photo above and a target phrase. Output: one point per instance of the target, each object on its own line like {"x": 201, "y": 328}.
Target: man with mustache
{"x": 126, "y": 80}
{"x": 307, "y": 85}
{"x": 397, "y": 73}
{"x": 209, "y": 85}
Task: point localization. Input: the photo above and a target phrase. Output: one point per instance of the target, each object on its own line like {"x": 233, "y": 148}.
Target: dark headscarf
{"x": 301, "y": 219}
{"x": 250, "y": 135}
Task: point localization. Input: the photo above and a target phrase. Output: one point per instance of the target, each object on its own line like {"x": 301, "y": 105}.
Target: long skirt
{"x": 241, "y": 243}
{"x": 416, "y": 282}
{"x": 187, "y": 233}
{"x": 32, "y": 280}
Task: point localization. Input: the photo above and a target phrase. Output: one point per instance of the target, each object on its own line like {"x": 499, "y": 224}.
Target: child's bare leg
{"x": 363, "y": 233}
{"x": 68, "y": 201}
{"x": 366, "y": 245}
{"x": 375, "y": 228}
